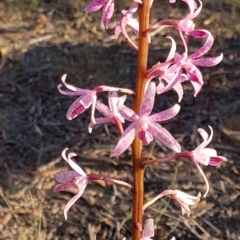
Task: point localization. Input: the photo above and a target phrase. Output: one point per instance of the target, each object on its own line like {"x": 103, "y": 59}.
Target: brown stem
{"x": 138, "y": 181}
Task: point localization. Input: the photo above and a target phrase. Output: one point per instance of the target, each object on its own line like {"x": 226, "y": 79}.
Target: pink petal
{"x": 197, "y": 87}
{"x": 172, "y": 50}
{"x": 133, "y": 24}
{"x": 174, "y": 79}
{"x": 72, "y": 164}
{"x": 192, "y": 5}
{"x": 205, "y": 140}
{"x": 118, "y": 30}
{"x": 198, "y": 33}
{"x": 80, "y": 105}
{"x": 145, "y": 136}
{"x": 201, "y": 158}
{"x": 76, "y": 91}
{"x": 95, "y": 5}
{"x": 162, "y": 135}
{"x": 103, "y": 109}
{"x": 208, "y": 62}
{"x": 102, "y": 120}
{"x": 148, "y": 100}
{"x": 214, "y": 161}
{"x": 185, "y": 25}
{"x": 203, "y": 175}
{"x": 165, "y": 115}
{"x": 186, "y": 198}
{"x": 118, "y": 122}
{"x": 133, "y": 8}
{"x": 182, "y": 198}
{"x": 68, "y": 93}
{"x": 148, "y": 230}
{"x": 125, "y": 140}
{"x": 195, "y": 76}
{"x": 121, "y": 101}
{"x": 159, "y": 70}
{"x": 128, "y": 114}
{"x": 179, "y": 89}
{"x": 113, "y": 101}
{"x": 108, "y": 10}
{"x": 209, "y": 152}
{"x": 75, "y": 198}
{"x": 94, "y": 102}
{"x": 128, "y": 20}
{"x": 88, "y": 99}
{"x": 123, "y": 24}
{"x": 205, "y": 48}
{"x": 64, "y": 186}
{"x": 127, "y": 13}
{"x": 75, "y": 109}
{"x": 203, "y": 133}
{"x": 67, "y": 176}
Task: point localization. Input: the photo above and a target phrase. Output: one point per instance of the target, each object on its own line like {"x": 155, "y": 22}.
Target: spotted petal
{"x": 125, "y": 140}
{"x": 165, "y": 137}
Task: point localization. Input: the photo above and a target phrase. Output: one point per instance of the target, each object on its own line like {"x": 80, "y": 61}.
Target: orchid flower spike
{"x": 70, "y": 179}
{"x": 148, "y": 230}
{"x": 86, "y": 98}
{"x": 206, "y": 156}
{"x": 111, "y": 113}
{"x": 107, "y": 8}
{"x": 183, "y": 199}
{"x": 145, "y": 126}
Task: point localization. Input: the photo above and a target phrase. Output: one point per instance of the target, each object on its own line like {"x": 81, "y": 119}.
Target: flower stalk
{"x": 138, "y": 170}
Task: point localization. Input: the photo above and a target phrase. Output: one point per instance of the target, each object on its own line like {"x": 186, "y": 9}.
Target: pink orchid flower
{"x": 206, "y": 156}
{"x": 111, "y": 113}
{"x": 146, "y": 126}
{"x": 86, "y": 98}
{"x": 71, "y": 179}
{"x": 189, "y": 64}
{"x": 148, "y": 230}
{"x": 183, "y": 199}
{"x": 165, "y": 72}
{"x": 185, "y": 25}
{"x": 79, "y": 179}
{"x": 107, "y": 8}
{"x": 132, "y": 23}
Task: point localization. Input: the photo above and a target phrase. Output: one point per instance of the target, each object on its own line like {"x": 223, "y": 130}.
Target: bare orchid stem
{"x": 138, "y": 170}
